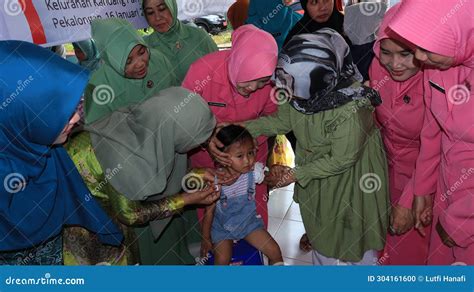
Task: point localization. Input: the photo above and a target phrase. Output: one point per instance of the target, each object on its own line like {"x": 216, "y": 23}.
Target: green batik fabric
{"x": 82, "y": 247}
{"x": 47, "y": 254}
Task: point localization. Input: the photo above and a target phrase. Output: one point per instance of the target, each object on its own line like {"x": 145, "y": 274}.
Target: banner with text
{"x": 53, "y": 22}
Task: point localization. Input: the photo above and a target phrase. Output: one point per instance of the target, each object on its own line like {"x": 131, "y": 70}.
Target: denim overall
{"x": 236, "y": 216}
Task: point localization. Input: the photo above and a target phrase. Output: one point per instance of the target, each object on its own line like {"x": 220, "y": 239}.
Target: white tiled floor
{"x": 286, "y": 227}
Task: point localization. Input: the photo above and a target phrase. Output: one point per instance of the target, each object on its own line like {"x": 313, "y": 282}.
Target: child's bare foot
{"x": 305, "y": 244}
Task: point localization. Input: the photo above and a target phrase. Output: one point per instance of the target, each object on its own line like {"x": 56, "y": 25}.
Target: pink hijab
{"x": 393, "y": 89}
{"x": 254, "y": 54}
{"x": 443, "y": 27}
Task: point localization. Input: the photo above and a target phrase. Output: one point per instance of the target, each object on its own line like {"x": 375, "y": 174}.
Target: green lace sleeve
{"x": 135, "y": 213}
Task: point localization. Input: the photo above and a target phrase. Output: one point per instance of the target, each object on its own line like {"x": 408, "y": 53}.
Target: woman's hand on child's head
{"x": 214, "y": 144}
{"x": 206, "y": 196}
{"x": 219, "y": 156}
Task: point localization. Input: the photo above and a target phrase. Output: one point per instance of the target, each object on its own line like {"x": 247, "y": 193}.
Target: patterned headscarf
{"x": 318, "y": 72}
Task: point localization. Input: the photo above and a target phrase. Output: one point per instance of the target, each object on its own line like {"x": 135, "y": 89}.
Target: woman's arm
{"x": 135, "y": 213}
{"x": 427, "y": 166}
{"x": 128, "y": 212}
{"x": 275, "y": 124}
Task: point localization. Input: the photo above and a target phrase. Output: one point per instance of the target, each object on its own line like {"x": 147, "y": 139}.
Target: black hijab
{"x": 308, "y": 25}
{"x": 317, "y": 70}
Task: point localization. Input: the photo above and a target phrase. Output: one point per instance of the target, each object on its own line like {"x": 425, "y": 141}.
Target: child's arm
{"x": 206, "y": 243}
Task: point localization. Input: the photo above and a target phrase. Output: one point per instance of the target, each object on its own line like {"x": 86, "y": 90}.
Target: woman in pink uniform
{"x": 396, "y": 74}
{"x": 443, "y": 32}
{"x": 236, "y": 85}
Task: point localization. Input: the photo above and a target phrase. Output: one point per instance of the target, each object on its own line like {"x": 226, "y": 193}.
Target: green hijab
{"x": 148, "y": 143}
{"x": 150, "y": 139}
{"x": 182, "y": 44}
{"x": 109, "y": 89}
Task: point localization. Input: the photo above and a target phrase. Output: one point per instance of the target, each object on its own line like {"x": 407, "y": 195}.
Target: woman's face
{"x": 320, "y": 10}
{"x": 137, "y": 63}
{"x": 158, "y": 15}
{"x": 435, "y": 60}
{"x": 248, "y": 87}
{"x": 61, "y": 139}
{"x": 398, "y": 59}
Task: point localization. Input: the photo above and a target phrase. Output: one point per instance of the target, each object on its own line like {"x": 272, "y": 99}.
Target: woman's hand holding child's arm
{"x": 279, "y": 176}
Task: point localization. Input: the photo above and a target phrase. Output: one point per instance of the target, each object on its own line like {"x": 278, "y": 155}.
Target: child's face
{"x": 242, "y": 156}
